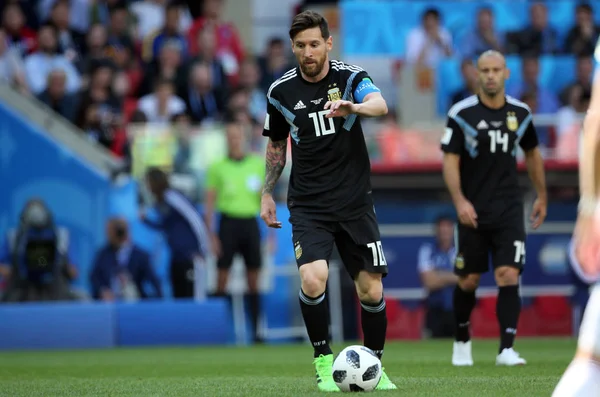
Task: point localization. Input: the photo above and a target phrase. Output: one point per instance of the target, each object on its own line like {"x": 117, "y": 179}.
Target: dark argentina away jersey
{"x": 330, "y": 175}
{"x": 487, "y": 141}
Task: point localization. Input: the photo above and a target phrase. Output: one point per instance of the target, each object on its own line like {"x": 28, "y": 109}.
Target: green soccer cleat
{"x": 323, "y": 365}
{"x": 385, "y": 383}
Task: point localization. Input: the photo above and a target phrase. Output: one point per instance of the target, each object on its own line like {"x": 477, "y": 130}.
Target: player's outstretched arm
{"x": 373, "y": 105}
{"x": 535, "y": 168}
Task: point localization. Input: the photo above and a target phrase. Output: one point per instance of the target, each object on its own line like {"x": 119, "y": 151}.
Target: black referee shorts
{"x": 239, "y": 236}
{"x": 505, "y": 243}
{"x": 358, "y": 242}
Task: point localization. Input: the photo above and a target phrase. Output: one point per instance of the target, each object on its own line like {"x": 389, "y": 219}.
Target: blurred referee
{"x": 233, "y": 189}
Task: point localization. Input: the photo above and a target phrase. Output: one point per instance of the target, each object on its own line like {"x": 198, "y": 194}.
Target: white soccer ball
{"x": 356, "y": 369}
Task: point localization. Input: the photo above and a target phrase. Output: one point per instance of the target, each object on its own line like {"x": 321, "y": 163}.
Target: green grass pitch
{"x": 418, "y": 368}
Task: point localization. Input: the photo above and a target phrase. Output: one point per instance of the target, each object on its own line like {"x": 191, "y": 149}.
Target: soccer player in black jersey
{"x": 582, "y": 377}
{"x": 319, "y": 105}
{"x": 482, "y": 136}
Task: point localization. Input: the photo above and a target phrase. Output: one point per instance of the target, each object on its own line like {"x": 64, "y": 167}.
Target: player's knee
{"x": 506, "y": 275}
{"x": 369, "y": 287}
{"x": 469, "y": 283}
{"x": 313, "y": 277}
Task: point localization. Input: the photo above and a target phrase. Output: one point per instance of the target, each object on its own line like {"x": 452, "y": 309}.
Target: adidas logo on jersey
{"x": 299, "y": 105}
{"x": 482, "y": 125}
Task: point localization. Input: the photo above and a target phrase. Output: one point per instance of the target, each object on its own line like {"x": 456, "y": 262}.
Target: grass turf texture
{"x": 417, "y": 368}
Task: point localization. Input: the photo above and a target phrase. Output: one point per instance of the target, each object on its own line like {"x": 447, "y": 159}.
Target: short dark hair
{"x": 308, "y": 20}
{"x": 431, "y": 12}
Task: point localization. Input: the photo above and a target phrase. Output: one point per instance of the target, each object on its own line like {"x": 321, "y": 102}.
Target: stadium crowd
{"x": 105, "y": 64}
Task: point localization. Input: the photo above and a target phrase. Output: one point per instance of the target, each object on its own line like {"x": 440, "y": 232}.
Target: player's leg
{"x": 228, "y": 236}
{"x": 313, "y": 244}
{"x": 582, "y": 377}
{"x": 251, "y": 251}
{"x": 508, "y": 257}
{"x": 359, "y": 245}
{"x": 471, "y": 260}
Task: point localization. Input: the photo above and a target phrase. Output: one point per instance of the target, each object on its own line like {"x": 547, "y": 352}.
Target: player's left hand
{"x": 339, "y": 108}
{"x": 538, "y": 215}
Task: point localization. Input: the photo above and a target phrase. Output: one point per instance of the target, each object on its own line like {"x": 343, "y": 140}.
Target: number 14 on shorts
{"x": 519, "y": 251}
{"x": 378, "y": 257}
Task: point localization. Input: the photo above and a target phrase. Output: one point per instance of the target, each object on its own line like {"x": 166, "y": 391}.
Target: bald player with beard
{"x": 582, "y": 377}
{"x": 480, "y": 143}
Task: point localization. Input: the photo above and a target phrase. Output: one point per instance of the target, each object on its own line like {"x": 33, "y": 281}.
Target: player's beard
{"x": 313, "y": 70}
{"x": 491, "y": 92}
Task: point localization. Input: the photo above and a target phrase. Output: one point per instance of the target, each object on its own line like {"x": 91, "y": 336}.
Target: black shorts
{"x": 505, "y": 244}
{"x": 239, "y": 236}
{"x": 358, "y": 242}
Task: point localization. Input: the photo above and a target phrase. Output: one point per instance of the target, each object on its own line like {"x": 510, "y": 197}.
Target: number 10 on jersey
{"x": 377, "y": 251}
{"x": 320, "y": 121}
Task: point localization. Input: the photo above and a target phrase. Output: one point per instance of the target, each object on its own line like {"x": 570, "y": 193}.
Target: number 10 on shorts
{"x": 377, "y": 251}
{"x": 519, "y": 251}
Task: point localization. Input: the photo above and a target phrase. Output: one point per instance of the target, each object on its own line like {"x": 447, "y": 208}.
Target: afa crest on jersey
{"x": 511, "y": 121}
{"x": 298, "y": 250}
{"x": 334, "y": 94}
{"x": 459, "y": 262}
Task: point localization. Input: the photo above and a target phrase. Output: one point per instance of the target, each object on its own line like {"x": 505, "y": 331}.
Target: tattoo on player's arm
{"x": 276, "y": 156}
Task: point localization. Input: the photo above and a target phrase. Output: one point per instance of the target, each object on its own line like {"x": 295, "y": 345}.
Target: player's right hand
{"x": 586, "y": 246}
{"x": 466, "y": 213}
{"x": 268, "y": 211}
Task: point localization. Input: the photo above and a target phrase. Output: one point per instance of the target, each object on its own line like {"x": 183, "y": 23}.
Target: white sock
{"x": 581, "y": 379}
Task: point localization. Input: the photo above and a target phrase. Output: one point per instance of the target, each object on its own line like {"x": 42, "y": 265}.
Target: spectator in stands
{"x": 184, "y": 229}
{"x": 161, "y": 105}
{"x": 94, "y": 50}
{"x": 398, "y": 145}
{"x": 168, "y": 66}
{"x": 581, "y": 40}
{"x": 79, "y": 12}
{"x": 207, "y": 53}
{"x": 36, "y": 257}
{"x": 203, "y": 100}
{"x": 150, "y": 16}
{"x": 567, "y": 116}
{"x": 435, "y": 266}
{"x": 230, "y": 49}
{"x": 118, "y": 27}
{"x": 121, "y": 269}
{"x": 545, "y": 133}
{"x": 249, "y": 80}
{"x": 274, "y": 63}
{"x": 46, "y": 59}
{"x": 70, "y": 41}
{"x": 567, "y": 146}
{"x": 536, "y": 39}
{"x": 547, "y": 101}
{"x": 484, "y": 37}
{"x": 56, "y": 97}
{"x": 468, "y": 70}
{"x": 168, "y": 32}
{"x": 11, "y": 66}
{"x": 583, "y": 77}
{"x": 19, "y": 36}
{"x": 429, "y": 43}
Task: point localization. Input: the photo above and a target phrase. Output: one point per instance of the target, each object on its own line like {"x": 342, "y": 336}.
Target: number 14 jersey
{"x": 487, "y": 141}
{"x": 330, "y": 175}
